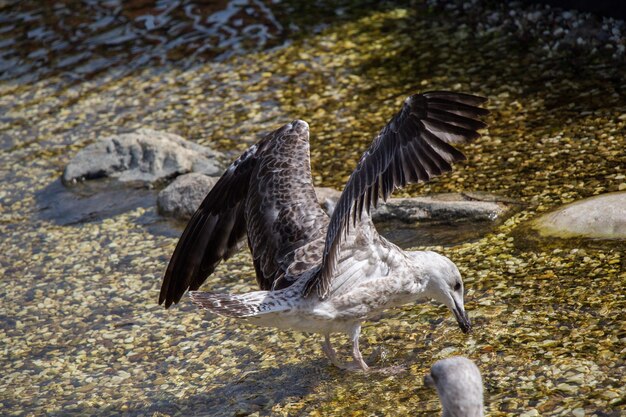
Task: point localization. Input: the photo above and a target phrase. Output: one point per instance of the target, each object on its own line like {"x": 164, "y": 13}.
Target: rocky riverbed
{"x": 81, "y": 332}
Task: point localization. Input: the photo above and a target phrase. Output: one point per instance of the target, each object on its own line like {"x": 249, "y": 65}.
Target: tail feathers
{"x": 236, "y": 305}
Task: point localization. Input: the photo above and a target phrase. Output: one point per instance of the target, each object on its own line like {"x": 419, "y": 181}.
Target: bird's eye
{"x": 457, "y": 286}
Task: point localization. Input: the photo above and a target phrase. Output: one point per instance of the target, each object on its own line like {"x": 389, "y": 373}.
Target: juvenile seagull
{"x": 459, "y": 386}
{"x": 320, "y": 274}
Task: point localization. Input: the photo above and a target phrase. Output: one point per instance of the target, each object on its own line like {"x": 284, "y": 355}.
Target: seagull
{"x": 459, "y": 386}
{"x": 316, "y": 273}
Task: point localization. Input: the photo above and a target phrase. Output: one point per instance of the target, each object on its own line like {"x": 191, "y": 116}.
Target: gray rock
{"x": 327, "y": 197}
{"x": 143, "y": 156}
{"x": 439, "y": 207}
{"x": 183, "y": 196}
{"x": 599, "y": 217}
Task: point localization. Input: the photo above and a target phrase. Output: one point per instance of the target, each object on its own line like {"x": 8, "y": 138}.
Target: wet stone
{"x": 144, "y": 156}
{"x": 599, "y": 217}
{"x": 182, "y": 197}
{"x": 451, "y": 207}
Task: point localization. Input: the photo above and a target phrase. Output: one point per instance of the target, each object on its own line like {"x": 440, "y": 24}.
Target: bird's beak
{"x": 462, "y": 319}
{"x": 429, "y": 381}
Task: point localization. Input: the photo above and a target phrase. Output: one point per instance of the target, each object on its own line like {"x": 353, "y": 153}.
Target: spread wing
{"x": 267, "y": 193}
{"x": 286, "y": 225}
{"x": 213, "y": 232}
{"x": 416, "y": 145}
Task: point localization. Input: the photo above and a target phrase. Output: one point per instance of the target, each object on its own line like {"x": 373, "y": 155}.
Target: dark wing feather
{"x": 214, "y": 231}
{"x": 414, "y": 146}
{"x": 268, "y": 194}
{"x": 282, "y": 210}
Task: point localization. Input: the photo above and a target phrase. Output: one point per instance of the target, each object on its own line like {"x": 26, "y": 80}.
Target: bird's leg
{"x": 332, "y": 355}
{"x": 358, "y": 364}
{"x": 356, "y": 353}
{"x": 330, "y": 352}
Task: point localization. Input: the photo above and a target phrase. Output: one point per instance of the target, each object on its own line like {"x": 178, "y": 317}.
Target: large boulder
{"x": 599, "y": 217}
{"x": 183, "y": 196}
{"x": 143, "y": 156}
{"x": 446, "y": 207}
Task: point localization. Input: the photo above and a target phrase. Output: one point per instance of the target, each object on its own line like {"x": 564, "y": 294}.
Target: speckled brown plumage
{"x": 266, "y": 194}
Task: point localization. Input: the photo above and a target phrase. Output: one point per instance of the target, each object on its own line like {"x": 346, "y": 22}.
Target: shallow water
{"x": 80, "y": 329}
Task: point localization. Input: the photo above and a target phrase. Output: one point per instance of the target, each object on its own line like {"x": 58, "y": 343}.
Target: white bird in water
{"x": 459, "y": 386}
{"x": 319, "y": 274}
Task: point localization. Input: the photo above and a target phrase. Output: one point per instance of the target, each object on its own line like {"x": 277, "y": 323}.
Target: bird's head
{"x": 444, "y": 284}
{"x": 459, "y": 385}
